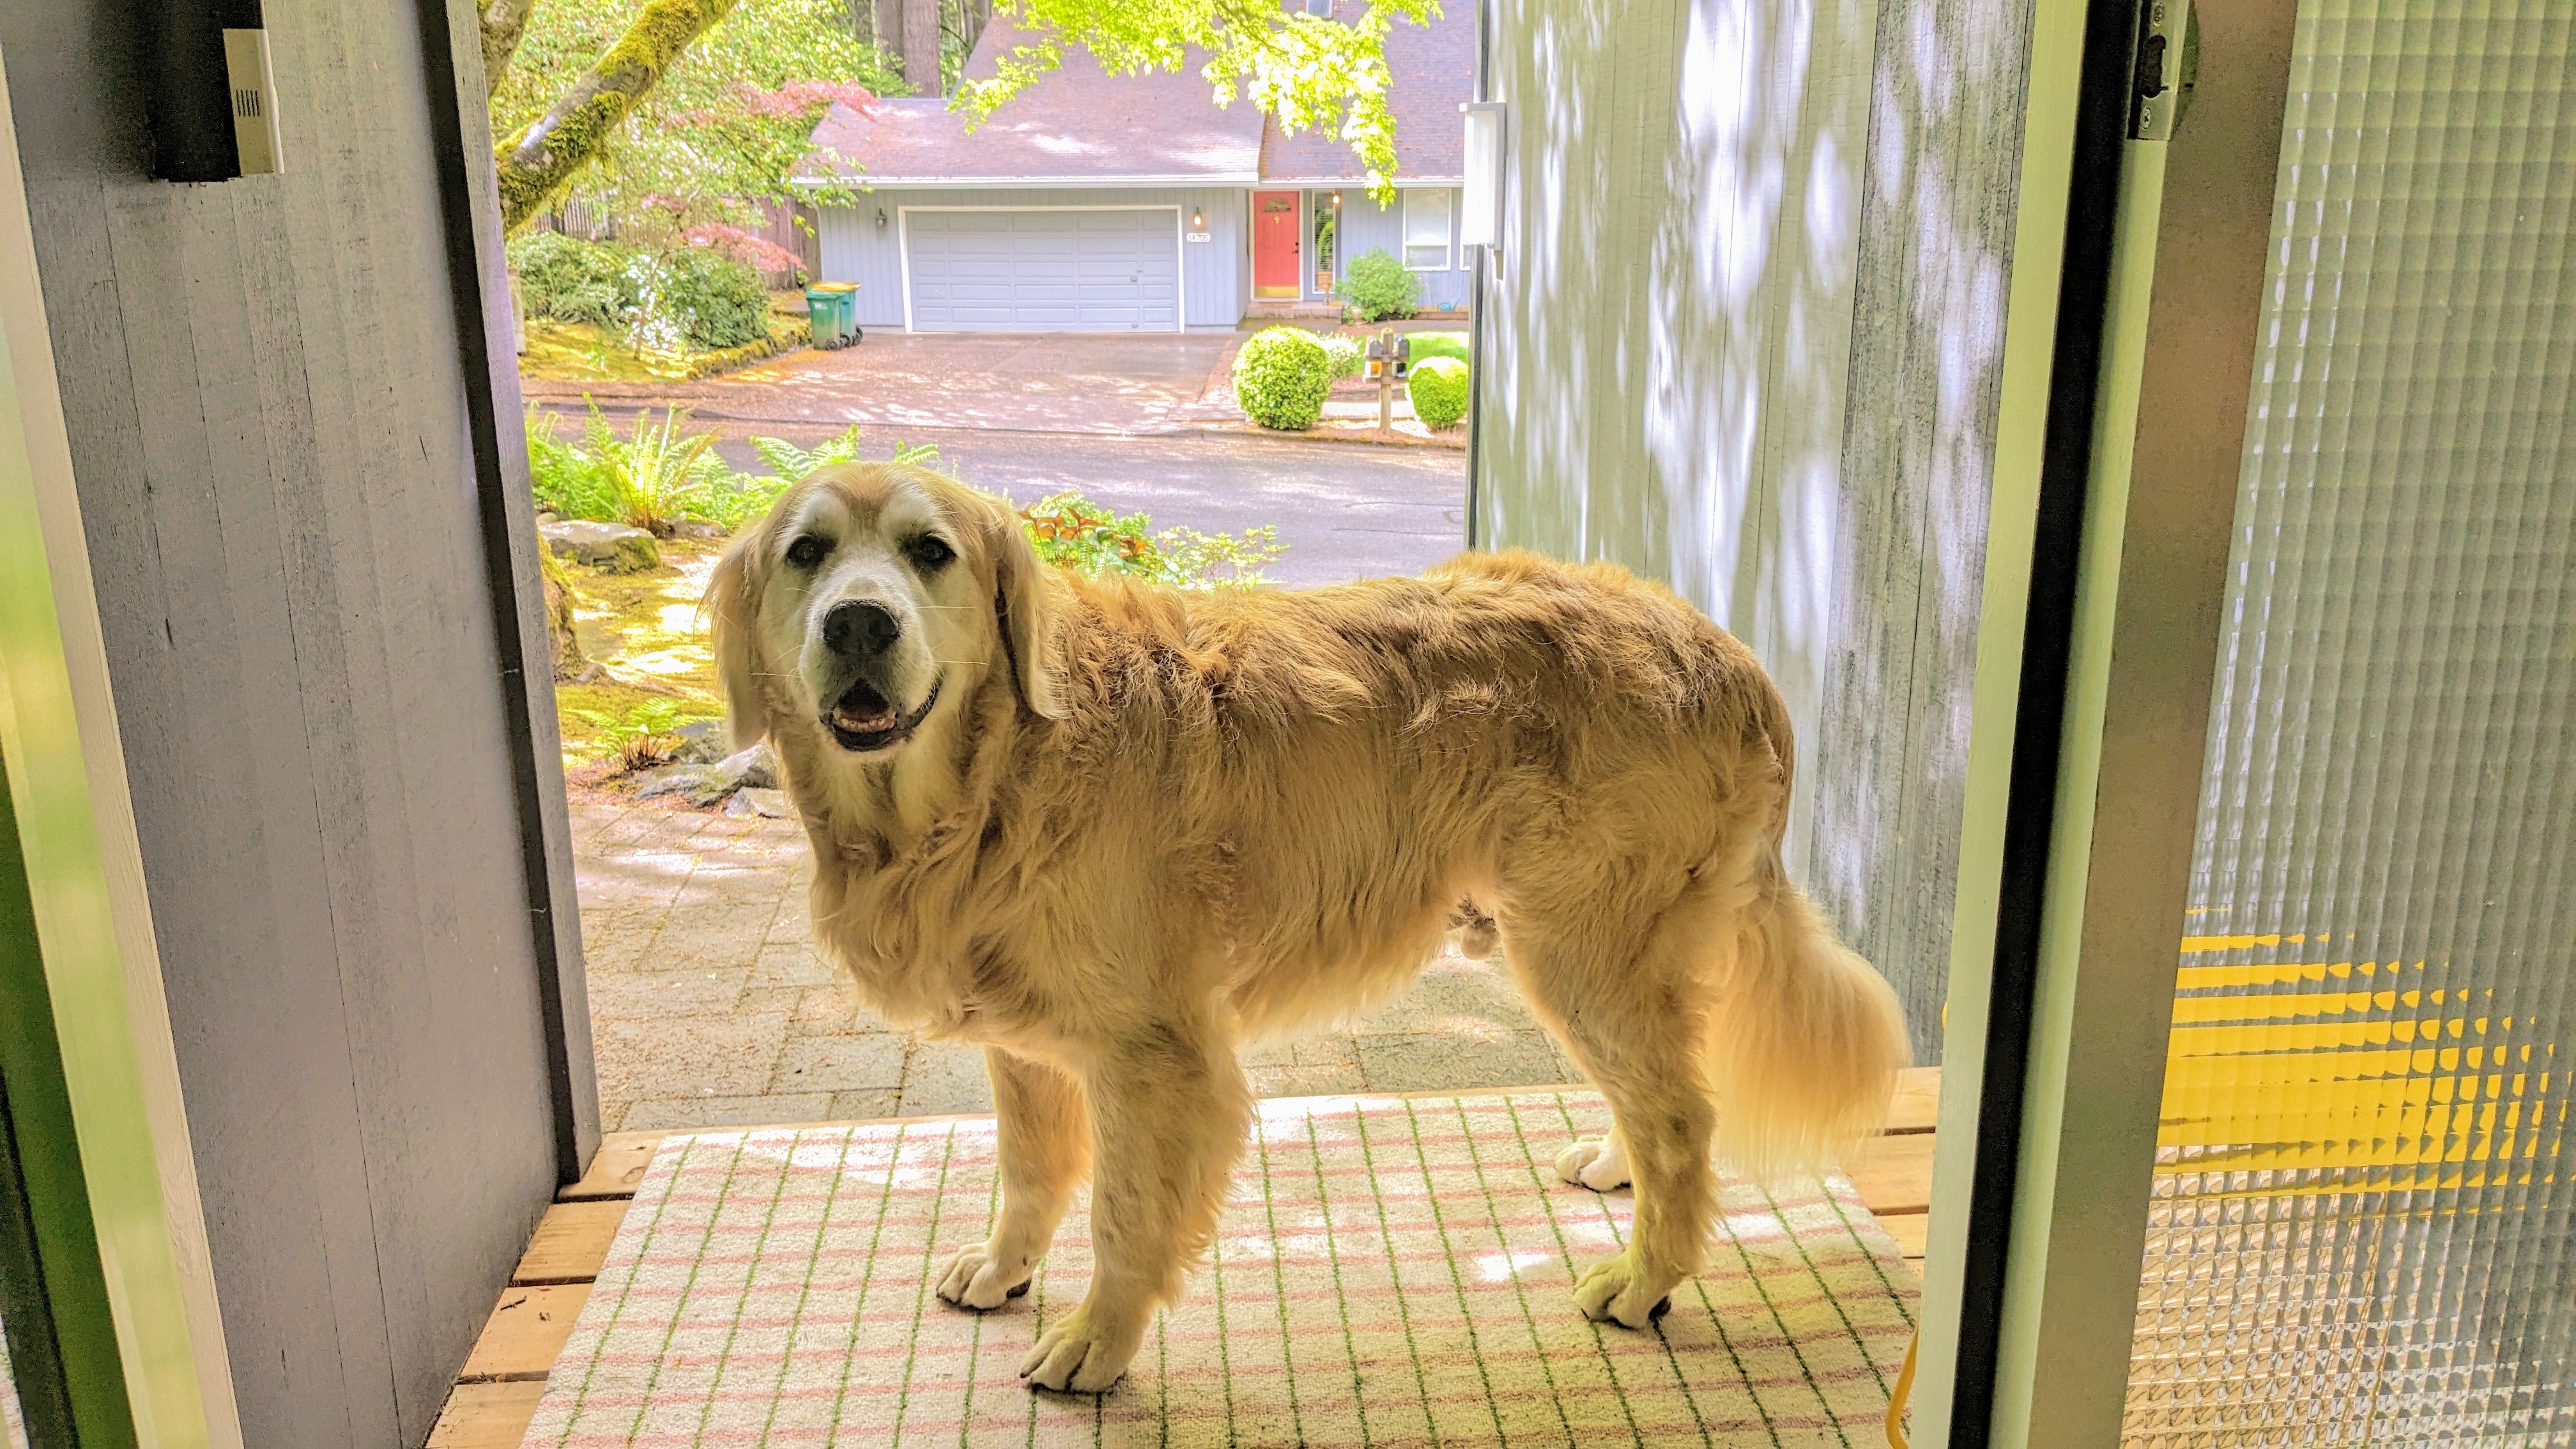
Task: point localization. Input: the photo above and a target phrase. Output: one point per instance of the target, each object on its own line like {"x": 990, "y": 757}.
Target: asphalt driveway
{"x": 1116, "y": 383}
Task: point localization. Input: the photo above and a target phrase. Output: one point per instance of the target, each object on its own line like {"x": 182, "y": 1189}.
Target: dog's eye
{"x": 931, "y": 552}
{"x": 807, "y": 551}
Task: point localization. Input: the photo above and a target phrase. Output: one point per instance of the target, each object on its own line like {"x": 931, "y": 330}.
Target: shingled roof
{"x": 1081, "y": 125}
{"x": 1431, "y": 72}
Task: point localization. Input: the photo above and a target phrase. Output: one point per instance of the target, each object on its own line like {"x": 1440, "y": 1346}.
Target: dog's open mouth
{"x": 863, "y": 722}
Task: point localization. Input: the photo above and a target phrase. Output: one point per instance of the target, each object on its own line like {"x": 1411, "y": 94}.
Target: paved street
{"x": 1345, "y": 511}
{"x": 709, "y": 1007}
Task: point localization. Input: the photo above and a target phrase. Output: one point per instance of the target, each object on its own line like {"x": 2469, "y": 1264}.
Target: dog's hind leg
{"x": 1045, "y": 1148}
{"x": 1168, "y": 1109}
{"x": 1623, "y": 997}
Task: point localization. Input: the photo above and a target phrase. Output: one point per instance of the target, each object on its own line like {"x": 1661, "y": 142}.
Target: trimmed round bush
{"x": 1378, "y": 287}
{"x": 1349, "y": 354}
{"x": 1438, "y": 388}
{"x": 1281, "y": 377}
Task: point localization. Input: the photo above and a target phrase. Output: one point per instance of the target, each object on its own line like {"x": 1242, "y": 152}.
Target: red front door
{"x": 1274, "y": 243}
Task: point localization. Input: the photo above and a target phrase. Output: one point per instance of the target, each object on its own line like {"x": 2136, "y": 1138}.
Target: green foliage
{"x": 1074, "y": 532}
{"x": 1438, "y": 388}
{"x": 1348, "y": 354}
{"x": 1378, "y": 287}
{"x": 657, "y": 476}
{"x": 572, "y": 280}
{"x": 1281, "y": 377}
{"x": 645, "y": 733}
{"x": 1421, "y": 345}
{"x": 692, "y": 299}
{"x": 565, "y": 479}
{"x": 789, "y": 461}
{"x": 721, "y": 130}
{"x": 1308, "y": 71}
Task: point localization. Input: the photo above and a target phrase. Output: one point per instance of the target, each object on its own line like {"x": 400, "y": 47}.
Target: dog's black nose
{"x": 858, "y": 629}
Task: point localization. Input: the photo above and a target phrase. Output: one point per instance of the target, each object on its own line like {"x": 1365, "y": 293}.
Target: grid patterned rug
{"x": 1389, "y": 1271}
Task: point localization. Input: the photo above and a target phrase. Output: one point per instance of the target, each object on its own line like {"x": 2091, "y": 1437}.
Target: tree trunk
{"x": 537, "y": 163}
{"x": 504, "y": 21}
{"x": 921, "y": 46}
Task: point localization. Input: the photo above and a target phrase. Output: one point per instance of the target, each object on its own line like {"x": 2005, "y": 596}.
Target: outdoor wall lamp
{"x": 881, "y": 218}
{"x": 1198, "y": 221}
{"x": 1480, "y": 208}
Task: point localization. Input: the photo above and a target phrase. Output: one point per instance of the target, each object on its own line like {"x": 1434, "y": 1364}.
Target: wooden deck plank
{"x": 1917, "y": 1105}
{"x": 1909, "y": 1230}
{"x": 525, "y": 1334}
{"x": 571, "y": 1242}
{"x": 617, "y": 1167}
{"x": 487, "y": 1416}
{"x": 1894, "y": 1174}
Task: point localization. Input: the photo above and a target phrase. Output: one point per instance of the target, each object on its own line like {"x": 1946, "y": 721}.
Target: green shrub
{"x": 695, "y": 300}
{"x": 572, "y": 280}
{"x": 1281, "y": 377}
{"x": 565, "y": 479}
{"x": 1378, "y": 287}
{"x": 1074, "y": 532}
{"x": 1438, "y": 388}
{"x": 1349, "y": 354}
{"x": 1421, "y": 345}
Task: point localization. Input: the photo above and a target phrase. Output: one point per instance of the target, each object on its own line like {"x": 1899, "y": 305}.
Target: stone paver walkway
{"x": 709, "y": 1008}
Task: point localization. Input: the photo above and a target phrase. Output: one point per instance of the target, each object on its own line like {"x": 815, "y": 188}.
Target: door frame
{"x": 1180, "y": 261}
{"x": 94, "y": 1092}
{"x": 1252, "y": 224}
{"x": 2089, "y": 728}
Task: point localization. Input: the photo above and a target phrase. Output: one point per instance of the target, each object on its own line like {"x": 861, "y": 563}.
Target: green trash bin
{"x": 832, "y": 310}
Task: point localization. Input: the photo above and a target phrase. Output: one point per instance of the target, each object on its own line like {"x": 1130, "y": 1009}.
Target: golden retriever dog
{"x": 1113, "y": 832}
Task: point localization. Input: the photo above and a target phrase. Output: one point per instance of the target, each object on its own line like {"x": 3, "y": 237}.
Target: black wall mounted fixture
{"x": 214, "y": 103}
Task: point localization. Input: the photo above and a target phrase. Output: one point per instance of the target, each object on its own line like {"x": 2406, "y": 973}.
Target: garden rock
{"x": 752, "y": 800}
{"x": 611, "y": 548}
{"x": 703, "y": 785}
{"x": 702, "y": 742}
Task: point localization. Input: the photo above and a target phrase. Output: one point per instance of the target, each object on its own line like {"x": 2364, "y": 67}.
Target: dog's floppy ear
{"x": 733, "y": 613}
{"x": 1023, "y": 610}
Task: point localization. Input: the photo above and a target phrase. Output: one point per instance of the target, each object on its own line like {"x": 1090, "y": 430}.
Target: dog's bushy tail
{"x": 1805, "y": 1040}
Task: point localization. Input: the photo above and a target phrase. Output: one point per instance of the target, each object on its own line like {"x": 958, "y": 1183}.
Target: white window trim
{"x": 1448, "y": 232}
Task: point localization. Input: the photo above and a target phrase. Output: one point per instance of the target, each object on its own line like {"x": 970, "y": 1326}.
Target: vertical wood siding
{"x": 1214, "y": 273}
{"x": 1743, "y": 338}
{"x": 271, "y": 432}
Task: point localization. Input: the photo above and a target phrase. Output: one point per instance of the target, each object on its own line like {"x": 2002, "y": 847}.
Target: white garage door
{"x": 1044, "y": 271}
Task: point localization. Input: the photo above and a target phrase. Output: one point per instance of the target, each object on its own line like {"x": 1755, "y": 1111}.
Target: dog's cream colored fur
{"x": 1142, "y": 826}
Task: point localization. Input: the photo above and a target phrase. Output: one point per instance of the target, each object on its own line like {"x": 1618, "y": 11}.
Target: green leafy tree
{"x": 671, "y": 114}
{"x": 1307, "y": 70}
{"x": 690, "y": 102}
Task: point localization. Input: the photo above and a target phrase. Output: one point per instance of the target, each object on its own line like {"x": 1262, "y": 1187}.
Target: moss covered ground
{"x": 645, "y": 634}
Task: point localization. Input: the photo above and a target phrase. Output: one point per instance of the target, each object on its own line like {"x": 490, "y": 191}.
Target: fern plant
{"x": 791, "y": 462}
{"x": 655, "y": 477}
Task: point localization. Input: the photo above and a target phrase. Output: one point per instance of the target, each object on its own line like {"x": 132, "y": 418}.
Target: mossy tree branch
{"x": 504, "y": 21}
{"x": 538, "y": 162}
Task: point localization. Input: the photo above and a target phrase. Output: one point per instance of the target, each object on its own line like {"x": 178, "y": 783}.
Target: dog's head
{"x": 870, "y": 604}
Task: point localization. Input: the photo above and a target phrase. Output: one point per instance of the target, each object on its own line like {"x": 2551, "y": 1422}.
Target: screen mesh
{"x": 2362, "y": 1225}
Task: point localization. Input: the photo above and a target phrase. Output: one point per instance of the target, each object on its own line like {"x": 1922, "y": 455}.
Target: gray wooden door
{"x": 1043, "y": 270}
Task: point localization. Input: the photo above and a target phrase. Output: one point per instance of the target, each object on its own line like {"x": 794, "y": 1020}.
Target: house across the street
{"x": 1114, "y": 203}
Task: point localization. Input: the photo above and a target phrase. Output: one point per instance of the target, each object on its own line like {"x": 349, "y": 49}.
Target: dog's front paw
{"x": 1620, "y": 1290}
{"x": 1084, "y": 1354}
{"x": 982, "y": 1279}
{"x": 1596, "y": 1163}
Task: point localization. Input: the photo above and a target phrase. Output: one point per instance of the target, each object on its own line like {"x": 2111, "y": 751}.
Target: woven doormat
{"x": 1389, "y": 1271}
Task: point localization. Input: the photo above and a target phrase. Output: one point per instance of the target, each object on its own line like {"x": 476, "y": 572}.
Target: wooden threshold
{"x": 496, "y": 1394}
